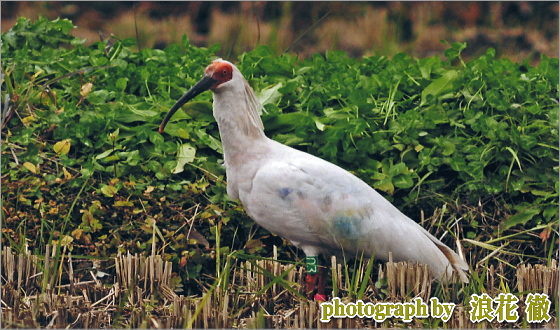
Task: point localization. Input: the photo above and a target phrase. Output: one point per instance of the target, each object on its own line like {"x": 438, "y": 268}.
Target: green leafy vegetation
{"x": 473, "y": 143}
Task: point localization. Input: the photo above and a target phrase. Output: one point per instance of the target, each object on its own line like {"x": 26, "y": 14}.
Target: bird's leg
{"x": 315, "y": 273}
{"x": 311, "y": 263}
{"x": 310, "y": 281}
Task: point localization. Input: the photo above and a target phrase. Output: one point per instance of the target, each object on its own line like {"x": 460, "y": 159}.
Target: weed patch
{"x": 469, "y": 148}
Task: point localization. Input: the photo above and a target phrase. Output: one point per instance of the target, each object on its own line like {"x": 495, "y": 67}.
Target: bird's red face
{"x": 221, "y": 72}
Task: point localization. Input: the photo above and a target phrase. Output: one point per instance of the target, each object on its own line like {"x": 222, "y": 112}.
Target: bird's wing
{"x": 322, "y": 208}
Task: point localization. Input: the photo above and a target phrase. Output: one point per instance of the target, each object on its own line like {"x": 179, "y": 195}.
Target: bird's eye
{"x": 224, "y": 72}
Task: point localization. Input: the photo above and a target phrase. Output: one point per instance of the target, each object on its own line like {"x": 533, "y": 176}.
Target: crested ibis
{"x": 316, "y": 205}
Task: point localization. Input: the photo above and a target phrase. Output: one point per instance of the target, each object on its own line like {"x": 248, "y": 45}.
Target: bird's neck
{"x": 238, "y": 137}
{"x": 241, "y": 129}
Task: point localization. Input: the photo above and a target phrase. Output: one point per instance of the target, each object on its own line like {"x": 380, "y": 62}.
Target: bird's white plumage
{"x": 318, "y": 206}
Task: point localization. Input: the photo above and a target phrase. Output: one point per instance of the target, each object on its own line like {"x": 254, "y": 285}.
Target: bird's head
{"x": 220, "y": 71}
{"x": 216, "y": 74}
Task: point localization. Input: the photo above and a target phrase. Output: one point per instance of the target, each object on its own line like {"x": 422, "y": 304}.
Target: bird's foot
{"x": 320, "y": 297}
{"x": 311, "y": 282}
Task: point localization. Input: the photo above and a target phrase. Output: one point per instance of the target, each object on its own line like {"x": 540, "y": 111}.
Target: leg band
{"x": 312, "y": 263}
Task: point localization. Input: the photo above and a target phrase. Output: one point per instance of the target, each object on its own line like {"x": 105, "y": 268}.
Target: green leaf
{"x": 440, "y": 86}
{"x": 448, "y": 148}
{"x": 130, "y": 114}
{"x": 514, "y": 154}
{"x": 31, "y": 167}
{"x": 551, "y": 213}
{"x": 156, "y": 138}
{"x": 403, "y": 181}
{"x": 455, "y": 50}
{"x": 123, "y": 203}
{"x": 521, "y": 217}
{"x": 104, "y": 154}
{"x": 385, "y": 185}
{"x": 209, "y": 140}
{"x": 320, "y": 126}
{"x": 285, "y": 121}
{"x": 186, "y": 154}
{"x": 199, "y": 110}
{"x": 62, "y": 147}
{"x": 109, "y": 191}
{"x": 183, "y": 134}
{"x": 426, "y": 66}
{"x": 397, "y": 169}
{"x": 289, "y": 139}
{"x": 270, "y": 95}
{"x": 121, "y": 83}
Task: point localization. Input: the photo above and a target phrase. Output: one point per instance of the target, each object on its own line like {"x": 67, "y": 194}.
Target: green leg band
{"x": 312, "y": 263}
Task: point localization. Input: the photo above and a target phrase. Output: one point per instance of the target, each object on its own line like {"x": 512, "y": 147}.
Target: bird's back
{"x": 322, "y": 208}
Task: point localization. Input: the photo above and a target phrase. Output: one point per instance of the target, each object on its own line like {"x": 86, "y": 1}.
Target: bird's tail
{"x": 459, "y": 265}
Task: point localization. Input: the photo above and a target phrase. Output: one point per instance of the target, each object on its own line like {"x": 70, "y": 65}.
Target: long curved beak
{"x": 203, "y": 85}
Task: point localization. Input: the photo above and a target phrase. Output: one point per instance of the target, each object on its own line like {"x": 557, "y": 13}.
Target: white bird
{"x": 316, "y": 205}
